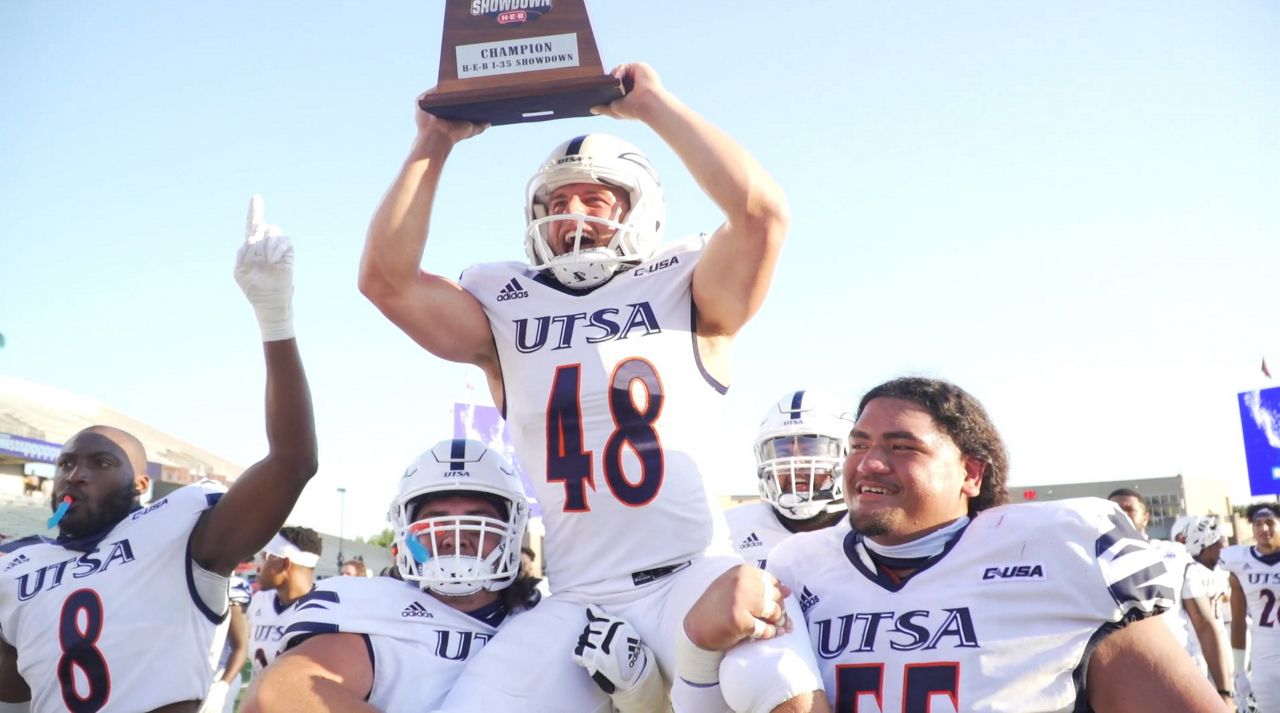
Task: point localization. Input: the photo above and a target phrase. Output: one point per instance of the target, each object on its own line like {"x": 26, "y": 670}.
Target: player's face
{"x": 271, "y": 572}
{"x": 1134, "y": 509}
{"x": 1210, "y": 555}
{"x": 904, "y": 477}
{"x": 94, "y": 471}
{"x": 591, "y": 199}
{"x": 1266, "y": 533}
{"x": 444, "y": 537}
{"x": 803, "y": 481}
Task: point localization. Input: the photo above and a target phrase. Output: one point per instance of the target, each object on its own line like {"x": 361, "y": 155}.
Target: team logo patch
{"x": 656, "y": 266}
{"x": 1015, "y": 573}
{"x": 416, "y": 610}
{"x": 17, "y": 560}
{"x": 513, "y": 290}
{"x": 752, "y": 540}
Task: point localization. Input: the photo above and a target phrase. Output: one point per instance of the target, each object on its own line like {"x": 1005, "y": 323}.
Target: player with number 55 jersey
{"x": 608, "y": 355}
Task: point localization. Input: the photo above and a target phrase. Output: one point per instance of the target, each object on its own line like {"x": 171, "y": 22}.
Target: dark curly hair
{"x": 960, "y": 416}
{"x": 1256, "y": 508}
{"x": 304, "y": 538}
{"x": 522, "y": 593}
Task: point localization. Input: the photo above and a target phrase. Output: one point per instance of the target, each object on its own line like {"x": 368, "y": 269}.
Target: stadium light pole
{"x": 342, "y": 518}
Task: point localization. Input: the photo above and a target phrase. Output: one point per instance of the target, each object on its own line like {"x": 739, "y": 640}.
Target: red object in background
{"x": 1028, "y": 495}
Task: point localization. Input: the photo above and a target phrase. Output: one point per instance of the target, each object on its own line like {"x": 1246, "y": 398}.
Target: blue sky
{"x": 1070, "y": 209}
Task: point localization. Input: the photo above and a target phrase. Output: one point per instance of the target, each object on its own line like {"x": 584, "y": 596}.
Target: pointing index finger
{"x": 253, "y": 222}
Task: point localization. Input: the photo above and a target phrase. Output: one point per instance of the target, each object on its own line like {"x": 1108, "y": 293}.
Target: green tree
{"x": 383, "y": 539}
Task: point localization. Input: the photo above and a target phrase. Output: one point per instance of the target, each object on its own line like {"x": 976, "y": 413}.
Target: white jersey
{"x": 754, "y": 530}
{"x": 265, "y": 630}
{"x": 1003, "y": 619}
{"x": 609, "y": 407}
{"x": 1202, "y": 582}
{"x": 417, "y": 644}
{"x": 238, "y": 594}
{"x": 116, "y": 624}
{"x": 1259, "y": 577}
{"x": 1176, "y": 560}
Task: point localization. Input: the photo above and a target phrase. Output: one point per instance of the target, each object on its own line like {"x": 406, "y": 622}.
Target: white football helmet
{"x": 430, "y": 551}
{"x": 1202, "y": 531}
{"x": 800, "y": 451}
{"x": 1179, "y": 527}
{"x": 607, "y": 160}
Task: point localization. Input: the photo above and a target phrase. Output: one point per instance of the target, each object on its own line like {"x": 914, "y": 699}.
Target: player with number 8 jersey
{"x": 117, "y": 613}
{"x": 88, "y": 613}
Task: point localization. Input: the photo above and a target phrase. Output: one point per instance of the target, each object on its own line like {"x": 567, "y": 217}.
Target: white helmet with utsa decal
{"x": 800, "y": 451}
{"x": 1202, "y": 531}
{"x": 456, "y": 555}
{"x": 606, "y": 160}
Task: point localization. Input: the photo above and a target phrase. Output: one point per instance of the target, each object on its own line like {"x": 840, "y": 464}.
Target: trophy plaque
{"x": 513, "y": 61}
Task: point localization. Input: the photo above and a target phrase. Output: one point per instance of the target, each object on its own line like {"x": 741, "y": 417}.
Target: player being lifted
{"x": 608, "y": 355}
{"x": 87, "y": 619}
{"x": 357, "y": 644}
{"x": 940, "y": 599}
{"x": 800, "y": 449}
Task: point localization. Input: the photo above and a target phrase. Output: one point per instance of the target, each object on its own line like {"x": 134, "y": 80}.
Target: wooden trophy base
{"x": 521, "y": 103}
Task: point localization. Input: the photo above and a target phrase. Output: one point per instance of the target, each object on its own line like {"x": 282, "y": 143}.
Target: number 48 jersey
{"x": 1004, "y": 619}
{"x": 612, "y": 414}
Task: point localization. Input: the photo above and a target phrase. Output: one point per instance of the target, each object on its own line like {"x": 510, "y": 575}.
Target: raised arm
{"x": 433, "y": 310}
{"x": 733, "y": 276}
{"x": 262, "y": 497}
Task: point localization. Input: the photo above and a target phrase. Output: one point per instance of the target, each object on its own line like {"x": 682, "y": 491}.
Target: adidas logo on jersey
{"x": 808, "y": 600}
{"x": 416, "y": 609}
{"x": 17, "y": 560}
{"x": 751, "y": 541}
{"x": 513, "y": 290}
{"x": 1015, "y": 572}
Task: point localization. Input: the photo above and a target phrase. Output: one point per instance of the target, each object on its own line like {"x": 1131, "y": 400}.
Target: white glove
{"x": 264, "y": 271}
{"x": 620, "y": 664}
{"x": 216, "y": 699}
{"x": 1242, "y": 691}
